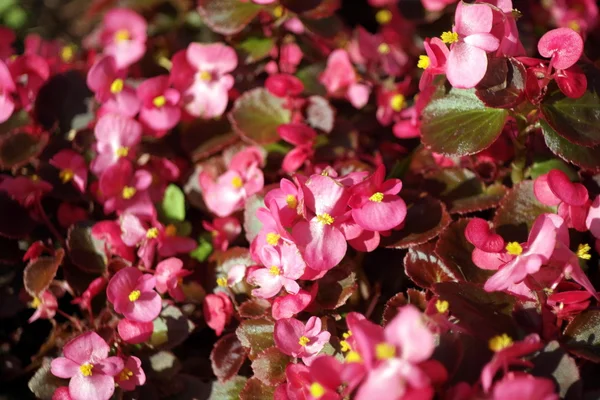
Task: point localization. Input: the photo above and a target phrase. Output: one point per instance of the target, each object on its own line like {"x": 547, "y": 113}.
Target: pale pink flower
{"x": 87, "y": 364}
{"x": 123, "y": 36}
{"x": 340, "y": 80}
{"x": 169, "y": 274}
{"x": 131, "y": 375}
{"x": 223, "y": 231}
{"x": 296, "y": 339}
{"x": 7, "y": 88}
{"x": 282, "y": 267}
{"x": 117, "y": 137}
{"x": 132, "y": 294}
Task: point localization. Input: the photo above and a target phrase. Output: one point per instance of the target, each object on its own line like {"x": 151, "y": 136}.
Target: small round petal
{"x": 134, "y": 332}
{"x": 122, "y": 283}
{"x": 563, "y": 45}
{"x": 146, "y": 308}
{"x": 214, "y": 58}
{"x": 478, "y": 232}
{"x": 572, "y": 81}
{"x": 89, "y": 347}
{"x": 473, "y": 18}
{"x": 466, "y": 65}
{"x": 64, "y": 368}
{"x": 380, "y": 216}
{"x": 286, "y": 334}
{"x": 574, "y": 194}
{"x": 94, "y": 387}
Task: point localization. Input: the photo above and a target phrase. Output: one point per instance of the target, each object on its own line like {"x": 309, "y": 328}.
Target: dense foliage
{"x": 301, "y": 199}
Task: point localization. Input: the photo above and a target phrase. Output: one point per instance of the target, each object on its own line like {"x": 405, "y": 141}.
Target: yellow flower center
{"x": 116, "y": 86}
{"x": 66, "y": 175}
{"x": 583, "y": 251}
{"x": 36, "y": 302}
{"x": 383, "y": 17}
{"x": 134, "y": 295}
{"x": 292, "y": 201}
{"x": 376, "y": 197}
{"x": 514, "y": 249}
{"x": 171, "y": 230}
{"x": 86, "y": 369}
{"x": 274, "y": 270}
{"x": 159, "y": 101}
{"x": 424, "y": 62}
{"x": 345, "y": 346}
{"x": 397, "y": 102}
{"x": 385, "y": 351}
{"x": 152, "y": 233}
{"x": 353, "y": 357}
{"x": 442, "y": 306}
{"x": 121, "y": 35}
{"x": 317, "y": 390}
{"x": 449, "y": 37}
{"x": 500, "y": 342}
{"x": 273, "y": 238}
{"x": 67, "y": 53}
{"x": 383, "y": 48}
{"x": 122, "y": 152}
{"x": 222, "y": 281}
{"x": 128, "y": 192}
{"x": 205, "y": 76}
{"x": 325, "y": 219}
{"x": 125, "y": 374}
{"x": 574, "y": 25}
{"x": 278, "y": 12}
{"x": 303, "y": 341}
{"x": 237, "y": 182}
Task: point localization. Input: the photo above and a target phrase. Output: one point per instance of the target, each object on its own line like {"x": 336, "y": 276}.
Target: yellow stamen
{"x": 205, "y": 76}
{"x": 67, "y": 53}
{"x": 66, "y": 175}
{"x": 383, "y": 48}
{"x": 36, "y": 302}
{"x": 500, "y": 342}
{"x": 385, "y": 351}
{"x": 237, "y": 182}
{"x": 345, "y": 346}
{"x": 274, "y": 270}
{"x": 171, "y": 230}
{"x": 353, "y": 357}
{"x": 383, "y": 17}
{"x": 325, "y": 219}
{"x": 574, "y": 25}
{"x": 514, "y": 249}
{"x": 86, "y": 369}
{"x": 346, "y": 335}
{"x": 442, "y": 306}
{"x": 116, "y": 86}
{"x": 449, "y": 37}
{"x": 222, "y": 281}
{"x": 583, "y": 251}
{"x": 159, "y": 101}
{"x": 317, "y": 390}
{"x": 278, "y": 12}
{"x": 303, "y": 341}
{"x": 128, "y": 192}
{"x": 273, "y": 238}
{"x": 292, "y": 201}
{"x": 152, "y": 233}
{"x": 121, "y": 35}
{"x": 35, "y": 177}
{"x": 376, "y": 197}
{"x": 397, "y": 102}
{"x": 134, "y": 295}
{"x": 125, "y": 374}
{"x": 122, "y": 152}
{"x": 424, "y": 62}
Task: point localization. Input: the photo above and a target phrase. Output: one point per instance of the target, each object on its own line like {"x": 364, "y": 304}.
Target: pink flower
{"x": 470, "y": 41}
{"x": 108, "y": 84}
{"x": 524, "y": 387}
{"x": 283, "y": 266}
{"x": 284, "y": 85}
{"x": 125, "y": 189}
{"x": 131, "y": 375}
{"x": 320, "y": 240}
{"x": 592, "y": 220}
{"x": 87, "y": 364}
{"x": 29, "y": 72}
{"x": 94, "y": 288}
{"x": 379, "y": 49}
{"x": 295, "y": 339}
{"x": 436, "y": 5}
{"x": 117, "y": 136}
{"x": 160, "y": 110}
{"x": 202, "y": 75}
{"x": 223, "y": 231}
{"x": 132, "y": 294}
{"x": 7, "y": 87}
{"x": 563, "y": 45}
{"x": 321, "y": 380}
{"x": 289, "y": 305}
{"x": 339, "y": 78}
{"x": 164, "y": 172}
{"x": 123, "y": 36}
{"x": 375, "y": 204}
{"x": 110, "y": 233}
{"x": 45, "y": 306}
{"x": 217, "y": 310}
{"x": 169, "y": 274}
{"x": 62, "y": 393}
{"x": 434, "y": 63}
{"x": 73, "y": 168}
{"x": 7, "y": 38}
{"x": 134, "y": 332}
{"x": 303, "y": 137}
{"x": 284, "y": 201}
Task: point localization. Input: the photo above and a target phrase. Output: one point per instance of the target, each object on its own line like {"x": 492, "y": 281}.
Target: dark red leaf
{"x": 425, "y": 268}
{"x": 40, "y": 272}
{"x": 270, "y": 365}
{"x": 227, "y": 357}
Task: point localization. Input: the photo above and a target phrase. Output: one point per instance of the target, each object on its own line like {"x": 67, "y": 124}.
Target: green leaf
{"x": 173, "y": 204}
{"x": 582, "y": 336}
{"x": 543, "y": 167}
{"x": 270, "y": 365}
{"x": 257, "y": 114}
{"x": 576, "y": 120}
{"x": 257, "y": 48}
{"x": 18, "y": 148}
{"x": 585, "y": 157}
{"x": 85, "y": 251}
{"x": 40, "y": 272}
{"x": 229, "y": 390}
{"x": 256, "y": 390}
{"x": 228, "y": 17}
{"x": 203, "y": 251}
{"x": 256, "y": 334}
{"x": 170, "y": 328}
{"x": 459, "y": 124}
{"x": 43, "y": 383}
